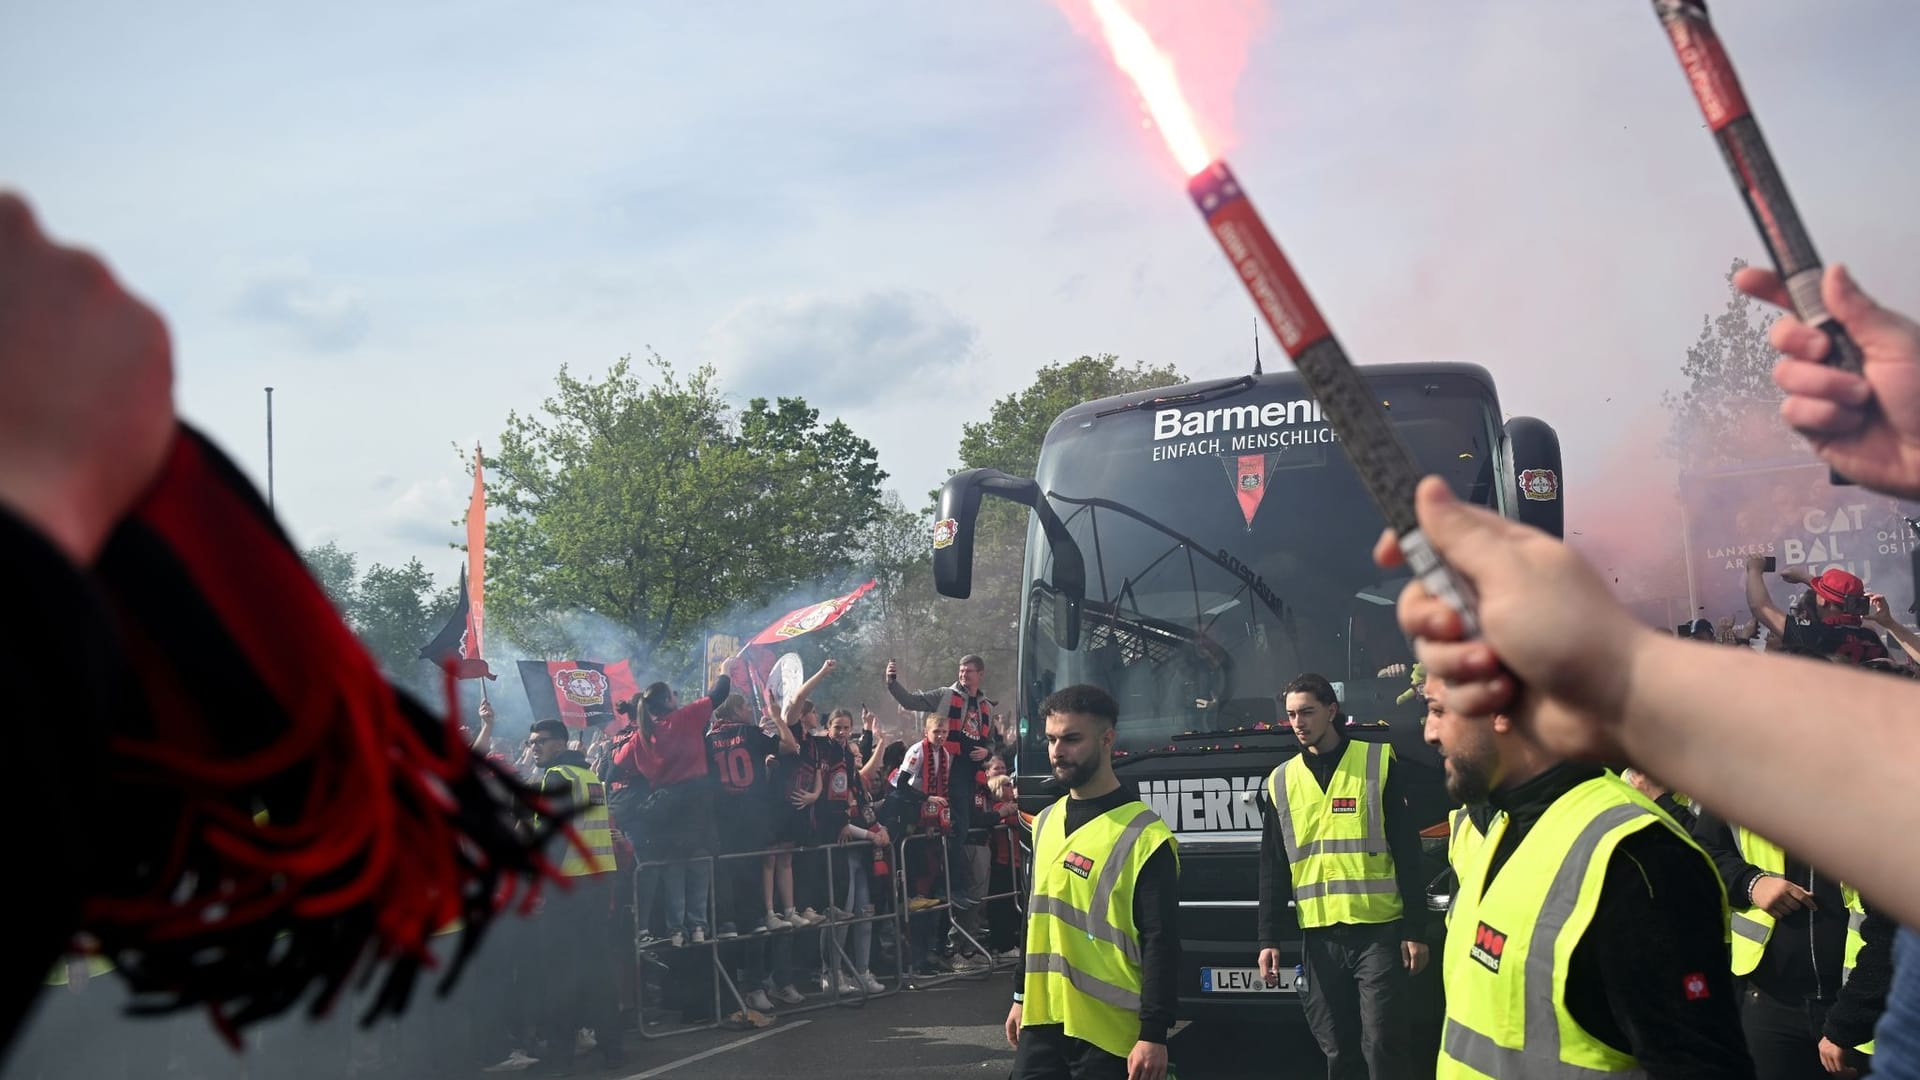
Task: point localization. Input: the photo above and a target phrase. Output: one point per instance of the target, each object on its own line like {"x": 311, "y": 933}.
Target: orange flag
{"x": 477, "y": 556}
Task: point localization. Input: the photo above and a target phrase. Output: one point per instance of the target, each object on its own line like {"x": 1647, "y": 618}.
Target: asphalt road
{"x": 951, "y": 1030}
{"x": 947, "y": 1031}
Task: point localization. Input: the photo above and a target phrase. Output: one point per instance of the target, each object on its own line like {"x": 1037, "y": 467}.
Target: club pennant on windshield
{"x": 1249, "y": 474}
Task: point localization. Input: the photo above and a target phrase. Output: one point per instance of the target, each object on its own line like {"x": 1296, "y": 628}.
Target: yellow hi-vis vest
{"x": 1753, "y": 928}
{"x": 1336, "y": 840}
{"x": 94, "y": 966}
{"x": 1083, "y": 950}
{"x": 1463, "y": 839}
{"x": 591, "y": 821}
{"x": 1509, "y": 944}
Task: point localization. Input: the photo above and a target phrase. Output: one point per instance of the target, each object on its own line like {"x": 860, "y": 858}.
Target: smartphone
{"x": 1771, "y": 566}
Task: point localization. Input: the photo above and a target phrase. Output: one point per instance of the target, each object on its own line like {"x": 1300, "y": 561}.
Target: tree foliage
{"x": 653, "y": 504}
{"x": 394, "y": 609}
{"x": 1729, "y": 411}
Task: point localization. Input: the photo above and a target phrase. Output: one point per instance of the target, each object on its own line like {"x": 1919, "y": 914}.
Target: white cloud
{"x": 328, "y": 318}
{"x": 842, "y": 352}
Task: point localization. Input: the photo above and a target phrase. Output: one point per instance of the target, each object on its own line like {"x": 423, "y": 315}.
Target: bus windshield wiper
{"x": 1204, "y": 392}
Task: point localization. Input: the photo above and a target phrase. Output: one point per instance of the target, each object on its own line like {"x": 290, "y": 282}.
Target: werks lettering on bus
{"x": 1203, "y": 804}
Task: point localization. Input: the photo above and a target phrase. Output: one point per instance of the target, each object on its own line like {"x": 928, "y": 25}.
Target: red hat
{"x": 1836, "y": 586}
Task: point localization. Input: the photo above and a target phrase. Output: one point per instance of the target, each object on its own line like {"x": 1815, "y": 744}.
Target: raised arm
{"x": 1760, "y": 601}
{"x": 797, "y": 707}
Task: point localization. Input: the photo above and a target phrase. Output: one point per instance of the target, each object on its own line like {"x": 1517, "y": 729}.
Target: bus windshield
{"x": 1228, "y": 548}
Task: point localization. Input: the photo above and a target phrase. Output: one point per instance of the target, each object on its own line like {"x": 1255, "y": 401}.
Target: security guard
{"x": 1103, "y": 946}
{"x": 1337, "y": 830}
{"x": 1797, "y": 935}
{"x": 577, "y": 923}
{"x": 1467, "y": 826}
{"x": 1589, "y": 932}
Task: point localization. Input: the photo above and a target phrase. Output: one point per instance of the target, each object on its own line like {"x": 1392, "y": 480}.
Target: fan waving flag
{"x": 578, "y": 693}
{"x": 810, "y": 618}
{"x": 456, "y": 647}
{"x": 759, "y": 650}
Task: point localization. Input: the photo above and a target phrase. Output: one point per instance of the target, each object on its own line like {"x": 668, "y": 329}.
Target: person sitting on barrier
{"x": 798, "y": 779}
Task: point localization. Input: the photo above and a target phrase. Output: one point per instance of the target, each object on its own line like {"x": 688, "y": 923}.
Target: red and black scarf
{"x": 286, "y": 820}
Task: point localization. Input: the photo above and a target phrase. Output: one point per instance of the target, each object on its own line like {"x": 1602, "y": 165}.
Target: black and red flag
{"x": 456, "y": 648}
{"x": 578, "y": 693}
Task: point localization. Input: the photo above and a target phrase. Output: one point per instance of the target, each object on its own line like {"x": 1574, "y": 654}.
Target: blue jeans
{"x": 689, "y": 890}
{"x": 1896, "y": 1039}
{"x": 858, "y": 901}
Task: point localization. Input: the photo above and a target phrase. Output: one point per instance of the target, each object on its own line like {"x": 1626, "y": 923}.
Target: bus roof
{"x": 1284, "y": 380}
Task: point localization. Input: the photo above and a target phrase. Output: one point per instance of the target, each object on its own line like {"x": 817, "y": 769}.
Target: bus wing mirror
{"x": 953, "y": 537}
{"x": 1535, "y": 452}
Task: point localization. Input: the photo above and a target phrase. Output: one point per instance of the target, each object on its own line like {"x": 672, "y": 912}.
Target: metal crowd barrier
{"x": 728, "y": 997}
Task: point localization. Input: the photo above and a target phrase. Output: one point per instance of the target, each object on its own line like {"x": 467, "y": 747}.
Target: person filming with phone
{"x": 1829, "y": 625}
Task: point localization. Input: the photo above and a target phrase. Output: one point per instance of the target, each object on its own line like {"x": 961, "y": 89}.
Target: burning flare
{"x": 1152, "y": 74}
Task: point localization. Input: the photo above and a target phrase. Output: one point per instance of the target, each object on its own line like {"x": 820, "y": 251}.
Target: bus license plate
{"x": 1243, "y": 981}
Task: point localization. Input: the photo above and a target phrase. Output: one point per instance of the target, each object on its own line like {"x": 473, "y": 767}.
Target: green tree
{"x": 1729, "y": 411}
{"x": 656, "y": 506}
{"x": 336, "y": 570}
{"x": 393, "y": 610}
{"x": 1009, "y": 439}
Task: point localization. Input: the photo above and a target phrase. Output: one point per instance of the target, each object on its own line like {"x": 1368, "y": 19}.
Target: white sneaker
{"x": 514, "y": 1062}
{"x": 699, "y": 935}
{"x": 873, "y": 985}
{"x": 813, "y": 917}
{"x": 757, "y": 1001}
{"x": 851, "y": 987}
{"x": 787, "y": 995}
{"x": 1010, "y": 954}
{"x": 584, "y": 1041}
{"x": 678, "y": 939}
{"x": 775, "y": 922}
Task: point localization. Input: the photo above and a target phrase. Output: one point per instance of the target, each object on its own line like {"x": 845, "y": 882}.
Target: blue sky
{"x": 405, "y": 217}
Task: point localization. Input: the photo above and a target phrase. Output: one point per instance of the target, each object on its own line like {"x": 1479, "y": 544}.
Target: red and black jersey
{"x": 738, "y": 756}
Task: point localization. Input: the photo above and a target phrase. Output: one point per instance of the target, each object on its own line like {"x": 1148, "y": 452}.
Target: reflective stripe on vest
{"x": 1506, "y": 1014}
{"x": 1083, "y": 950}
{"x": 1856, "y": 918}
{"x": 591, "y": 824}
{"x": 1339, "y": 863}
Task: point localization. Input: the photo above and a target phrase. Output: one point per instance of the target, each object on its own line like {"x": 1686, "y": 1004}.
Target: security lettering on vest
{"x": 1078, "y": 863}
{"x": 1204, "y": 804}
{"x": 1344, "y": 806}
{"x": 1488, "y": 944}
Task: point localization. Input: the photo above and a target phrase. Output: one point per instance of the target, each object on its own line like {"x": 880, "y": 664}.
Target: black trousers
{"x": 1784, "y": 1037}
{"x": 1356, "y": 985}
{"x": 1047, "y": 1052}
{"x": 577, "y": 967}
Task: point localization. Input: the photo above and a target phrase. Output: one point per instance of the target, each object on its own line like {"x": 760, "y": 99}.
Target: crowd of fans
{"x": 801, "y": 856}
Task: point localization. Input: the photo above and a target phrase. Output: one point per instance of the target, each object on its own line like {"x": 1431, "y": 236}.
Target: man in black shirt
{"x": 1359, "y": 946}
{"x": 1795, "y": 976}
{"x": 1081, "y": 951}
{"x": 1648, "y": 976}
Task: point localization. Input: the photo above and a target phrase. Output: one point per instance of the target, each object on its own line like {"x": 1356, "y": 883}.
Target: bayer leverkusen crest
{"x": 1539, "y": 485}
{"x": 582, "y": 686}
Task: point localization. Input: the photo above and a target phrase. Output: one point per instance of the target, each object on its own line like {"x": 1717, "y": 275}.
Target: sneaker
{"x": 584, "y": 1041}
{"x": 757, "y": 1001}
{"x": 699, "y": 935}
{"x": 1008, "y": 954}
{"x": 809, "y": 917}
{"x": 873, "y": 985}
{"x": 678, "y": 939}
{"x": 775, "y": 922}
{"x": 787, "y": 995}
{"x": 516, "y": 1061}
{"x": 851, "y": 987}
{"x": 922, "y": 903}
{"x": 836, "y": 915}
{"x": 968, "y": 962}
{"x": 727, "y": 932}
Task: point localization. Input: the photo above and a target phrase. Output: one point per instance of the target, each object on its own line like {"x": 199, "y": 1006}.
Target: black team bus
{"x": 1192, "y": 549}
